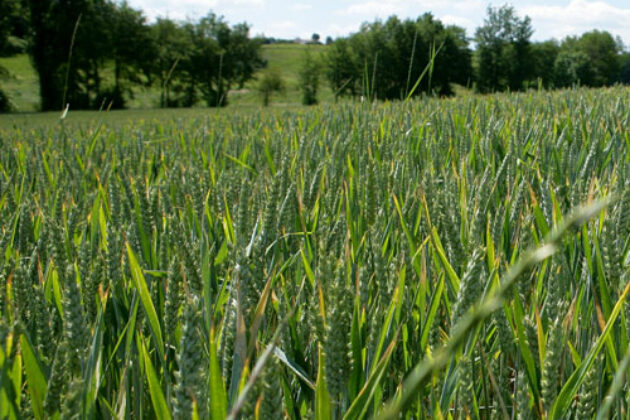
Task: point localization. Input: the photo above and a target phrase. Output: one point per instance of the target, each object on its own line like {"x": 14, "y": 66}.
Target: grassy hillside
{"x": 22, "y": 85}
{"x": 285, "y": 59}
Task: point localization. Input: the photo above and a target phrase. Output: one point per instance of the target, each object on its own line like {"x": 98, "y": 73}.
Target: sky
{"x": 292, "y": 19}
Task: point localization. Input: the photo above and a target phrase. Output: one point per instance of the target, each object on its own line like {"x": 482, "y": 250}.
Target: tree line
{"x": 387, "y": 60}
{"x": 91, "y": 53}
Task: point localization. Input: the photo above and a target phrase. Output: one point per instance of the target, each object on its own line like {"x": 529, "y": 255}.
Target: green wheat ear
{"x": 478, "y": 226}
{"x": 42, "y": 329}
{"x": 504, "y": 333}
{"x": 371, "y": 196}
{"x": 272, "y": 404}
{"x": 191, "y": 381}
{"x": 73, "y": 400}
{"x": 337, "y": 338}
{"x": 523, "y": 402}
{"x": 587, "y": 402}
{"x": 622, "y": 222}
{"x": 466, "y": 388}
{"x": 242, "y": 220}
{"x": 611, "y": 254}
{"x": 288, "y": 209}
{"x": 553, "y": 359}
{"x": 173, "y": 299}
{"x": 75, "y": 328}
{"x": 57, "y": 381}
{"x": 471, "y": 286}
{"x": 227, "y": 339}
{"x": 25, "y": 232}
{"x": 22, "y": 291}
{"x": 313, "y": 188}
{"x": 270, "y": 217}
{"x": 3, "y": 293}
{"x": 531, "y": 337}
{"x": 58, "y": 245}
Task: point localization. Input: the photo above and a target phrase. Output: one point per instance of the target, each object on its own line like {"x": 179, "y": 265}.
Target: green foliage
{"x": 72, "y": 42}
{"x": 6, "y": 10}
{"x": 571, "y": 68}
{"x": 270, "y": 83}
{"x": 309, "y": 78}
{"x": 218, "y": 58}
{"x": 5, "y": 102}
{"x": 504, "y": 53}
{"x": 545, "y": 55}
{"x": 624, "y": 76}
{"x": 171, "y": 44}
{"x": 593, "y": 59}
{"x": 384, "y": 59}
{"x": 340, "y": 70}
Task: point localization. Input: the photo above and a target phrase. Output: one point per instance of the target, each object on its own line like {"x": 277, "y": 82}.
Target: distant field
{"x": 22, "y": 85}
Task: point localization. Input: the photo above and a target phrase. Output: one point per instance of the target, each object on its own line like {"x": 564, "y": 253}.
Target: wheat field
{"x": 431, "y": 259}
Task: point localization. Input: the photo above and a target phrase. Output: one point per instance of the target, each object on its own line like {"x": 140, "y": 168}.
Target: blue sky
{"x": 290, "y": 19}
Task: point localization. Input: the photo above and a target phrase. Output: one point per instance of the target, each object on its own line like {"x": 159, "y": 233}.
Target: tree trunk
{"x": 50, "y": 95}
{"x": 43, "y": 59}
{"x": 117, "y": 75}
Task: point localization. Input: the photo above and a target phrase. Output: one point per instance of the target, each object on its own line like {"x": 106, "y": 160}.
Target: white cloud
{"x": 550, "y": 18}
{"x": 337, "y": 30}
{"x": 374, "y": 8}
{"x": 182, "y": 9}
{"x": 577, "y": 17}
{"x": 301, "y": 7}
{"x": 282, "y": 29}
{"x": 243, "y": 2}
{"x": 458, "y": 20}
{"x": 454, "y": 6}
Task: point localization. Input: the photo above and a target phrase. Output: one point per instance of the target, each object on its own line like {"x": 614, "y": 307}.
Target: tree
{"x": 74, "y": 40}
{"x": 13, "y": 27}
{"x": 624, "y": 64}
{"x": 603, "y": 52}
{"x": 5, "y": 102}
{"x": 329, "y": 40}
{"x": 309, "y": 78}
{"x": 545, "y": 54}
{"x": 221, "y": 57}
{"x": 572, "y": 67}
{"x": 503, "y": 55}
{"x": 52, "y": 26}
{"x": 70, "y": 43}
{"x": 6, "y": 8}
{"x": 315, "y": 38}
{"x": 172, "y": 46}
{"x": 593, "y": 59}
{"x": 5, "y": 105}
{"x": 341, "y": 68}
{"x": 388, "y": 60}
{"x": 131, "y": 50}
{"x": 270, "y": 83}
{"x": 453, "y": 63}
